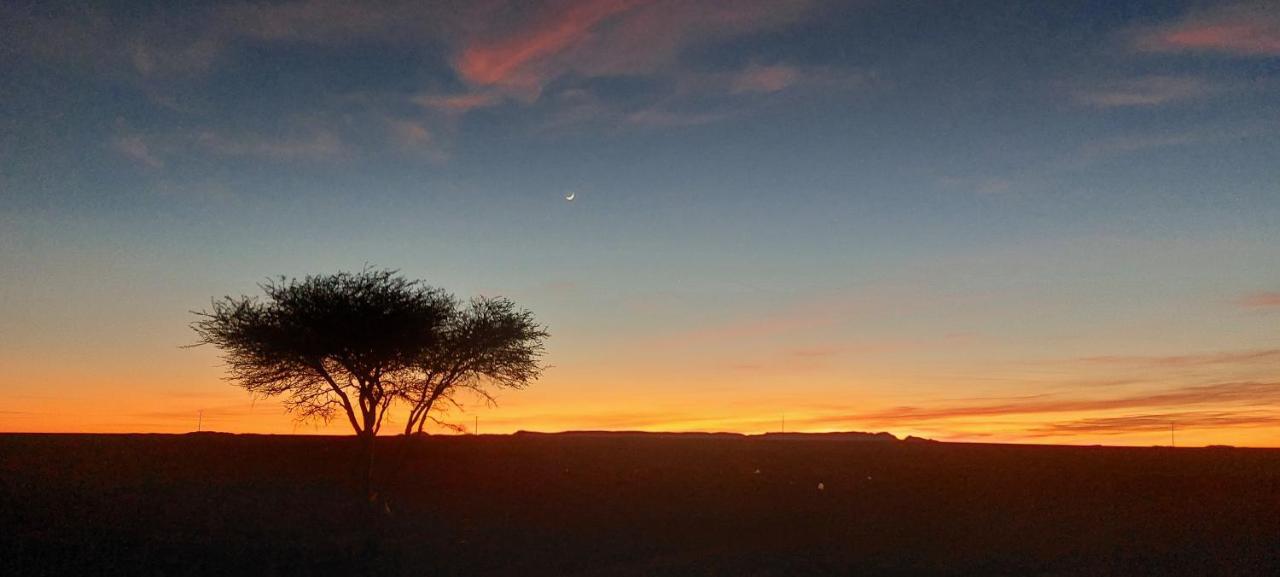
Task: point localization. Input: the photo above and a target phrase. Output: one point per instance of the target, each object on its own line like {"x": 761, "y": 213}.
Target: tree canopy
{"x": 488, "y": 343}
{"x": 328, "y": 342}
{"x": 357, "y": 343}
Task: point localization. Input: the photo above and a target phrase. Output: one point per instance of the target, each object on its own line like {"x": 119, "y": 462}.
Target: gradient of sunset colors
{"x": 1038, "y": 222}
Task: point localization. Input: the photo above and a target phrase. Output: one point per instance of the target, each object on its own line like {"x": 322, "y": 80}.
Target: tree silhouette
{"x": 490, "y": 343}
{"x": 359, "y": 342}
{"x": 329, "y": 343}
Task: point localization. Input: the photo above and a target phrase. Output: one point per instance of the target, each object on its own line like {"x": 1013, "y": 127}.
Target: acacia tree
{"x": 490, "y": 343}
{"x": 330, "y": 343}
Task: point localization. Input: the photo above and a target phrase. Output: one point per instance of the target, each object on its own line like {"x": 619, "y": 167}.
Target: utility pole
{"x": 200, "y": 421}
{"x": 1172, "y": 441}
{"x": 477, "y": 427}
{"x": 784, "y": 422}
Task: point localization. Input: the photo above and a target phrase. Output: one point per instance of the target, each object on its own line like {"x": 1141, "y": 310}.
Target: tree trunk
{"x": 412, "y": 422}
{"x": 370, "y": 551}
{"x": 417, "y": 417}
{"x": 366, "y": 439}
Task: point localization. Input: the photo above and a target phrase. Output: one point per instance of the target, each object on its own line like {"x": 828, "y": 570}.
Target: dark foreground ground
{"x": 630, "y": 505}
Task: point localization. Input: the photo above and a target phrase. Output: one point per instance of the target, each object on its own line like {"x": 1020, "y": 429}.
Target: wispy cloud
{"x": 1220, "y": 358}
{"x": 1113, "y": 146}
{"x": 1245, "y": 29}
{"x": 687, "y": 98}
{"x": 135, "y": 148}
{"x": 175, "y": 57}
{"x": 296, "y": 140}
{"x": 816, "y": 352}
{"x": 1261, "y": 300}
{"x": 413, "y": 135}
{"x": 594, "y": 38}
{"x": 313, "y": 145}
{"x": 457, "y": 103}
{"x": 659, "y": 116}
{"x": 1105, "y": 149}
{"x": 570, "y": 43}
{"x": 1246, "y": 393}
{"x": 1143, "y": 91}
{"x": 1149, "y": 422}
{"x": 519, "y": 59}
{"x": 499, "y": 52}
{"x": 410, "y": 132}
{"x": 756, "y": 78}
{"x": 169, "y": 43}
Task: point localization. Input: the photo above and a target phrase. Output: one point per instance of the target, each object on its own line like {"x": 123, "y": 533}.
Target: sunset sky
{"x": 1048, "y": 222}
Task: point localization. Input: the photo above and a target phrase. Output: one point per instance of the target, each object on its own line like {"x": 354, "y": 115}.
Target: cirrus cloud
{"x": 1149, "y": 422}
{"x": 1261, "y": 300}
{"x": 606, "y": 38}
{"x": 1143, "y": 91}
{"x": 1243, "y": 394}
{"x": 1246, "y": 29}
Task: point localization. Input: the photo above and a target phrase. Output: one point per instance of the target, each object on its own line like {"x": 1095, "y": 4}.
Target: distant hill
{"x": 627, "y": 434}
{"x": 834, "y": 436}
{"x": 837, "y": 436}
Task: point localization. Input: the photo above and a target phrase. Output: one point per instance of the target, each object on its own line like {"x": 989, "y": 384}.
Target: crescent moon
{"x": 571, "y": 196}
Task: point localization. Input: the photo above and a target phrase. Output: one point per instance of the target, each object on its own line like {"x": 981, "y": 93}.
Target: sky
{"x": 1034, "y": 222}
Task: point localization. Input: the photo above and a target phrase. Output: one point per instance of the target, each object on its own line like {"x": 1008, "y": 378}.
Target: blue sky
{"x": 876, "y": 204}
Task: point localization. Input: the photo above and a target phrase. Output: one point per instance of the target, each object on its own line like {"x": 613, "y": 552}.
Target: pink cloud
{"x": 1249, "y": 29}
{"x": 609, "y": 37}
{"x": 1263, "y": 300}
{"x": 765, "y": 79}
{"x": 1240, "y": 38}
{"x": 509, "y": 60}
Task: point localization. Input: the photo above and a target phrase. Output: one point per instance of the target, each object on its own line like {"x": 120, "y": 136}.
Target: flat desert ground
{"x": 619, "y": 504}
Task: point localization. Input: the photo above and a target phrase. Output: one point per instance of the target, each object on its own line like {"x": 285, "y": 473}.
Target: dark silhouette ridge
{"x": 835, "y": 436}
{"x": 915, "y": 439}
{"x": 874, "y": 438}
{"x": 828, "y": 436}
{"x": 629, "y": 435}
{"x": 209, "y": 434}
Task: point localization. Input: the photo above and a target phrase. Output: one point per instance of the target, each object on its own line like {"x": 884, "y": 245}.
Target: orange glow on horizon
{"x": 553, "y": 407}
